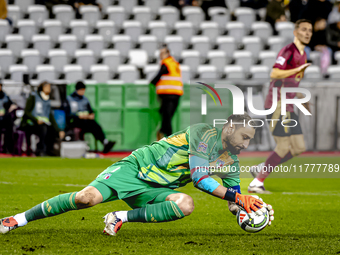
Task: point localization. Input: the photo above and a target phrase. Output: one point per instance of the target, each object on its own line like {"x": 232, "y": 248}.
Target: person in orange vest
{"x": 169, "y": 88}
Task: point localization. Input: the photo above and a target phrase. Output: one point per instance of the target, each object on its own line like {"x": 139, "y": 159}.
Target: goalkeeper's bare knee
{"x": 184, "y": 202}
{"x": 88, "y": 197}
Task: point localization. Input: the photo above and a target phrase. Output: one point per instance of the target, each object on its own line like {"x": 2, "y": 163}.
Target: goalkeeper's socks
{"x": 54, "y": 206}
{"x": 160, "y": 212}
{"x": 272, "y": 161}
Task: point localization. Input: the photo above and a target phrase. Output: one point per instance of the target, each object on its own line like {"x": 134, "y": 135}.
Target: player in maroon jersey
{"x": 287, "y": 71}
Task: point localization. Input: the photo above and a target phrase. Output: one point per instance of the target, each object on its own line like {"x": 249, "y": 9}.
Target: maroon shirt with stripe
{"x": 288, "y": 58}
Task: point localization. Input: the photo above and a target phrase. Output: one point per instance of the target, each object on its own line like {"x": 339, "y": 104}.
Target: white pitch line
{"x": 311, "y": 194}
{"x": 56, "y": 184}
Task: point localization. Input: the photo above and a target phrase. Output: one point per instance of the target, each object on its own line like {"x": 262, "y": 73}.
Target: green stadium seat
{"x": 110, "y": 96}
{"x": 137, "y": 96}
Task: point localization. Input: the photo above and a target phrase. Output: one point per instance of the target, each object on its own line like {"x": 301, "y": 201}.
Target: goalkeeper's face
{"x": 237, "y": 138}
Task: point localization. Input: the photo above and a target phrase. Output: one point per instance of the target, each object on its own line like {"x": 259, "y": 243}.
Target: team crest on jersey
{"x": 219, "y": 163}
{"x": 106, "y": 176}
{"x": 202, "y": 147}
{"x": 280, "y": 60}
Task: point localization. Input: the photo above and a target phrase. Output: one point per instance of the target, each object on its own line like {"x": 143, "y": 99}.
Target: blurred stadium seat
{"x": 234, "y": 73}
{"x": 85, "y": 58}
{"x": 210, "y": 29}
{"x": 42, "y": 43}
{"x": 73, "y": 73}
{"x": 267, "y": 58}
{"x": 170, "y": 15}
{"x": 123, "y": 44}
{"x": 100, "y": 73}
{"x": 112, "y": 59}
{"x": 185, "y": 30}
{"x": 226, "y": 44}
{"x": 13, "y": 12}
{"x": 218, "y": 58}
{"x": 175, "y": 45}
{"x": 15, "y": 43}
{"x": 207, "y": 72}
{"x": 90, "y": 13}
{"x": 192, "y": 59}
{"x": 6, "y": 59}
{"x": 236, "y": 30}
{"x": 117, "y": 14}
{"x": 143, "y": 15}
{"x": 95, "y": 43}
{"x": 158, "y": 29}
{"x": 31, "y": 58}
{"x": 45, "y": 72}
{"x": 64, "y": 13}
{"x": 107, "y": 29}
{"x": 58, "y": 59}
{"x": 17, "y": 72}
{"x": 68, "y": 43}
{"x": 244, "y": 59}
{"x": 38, "y": 13}
{"x": 27, "y": 28}
{"x": 132, "y": 29}
{"x": 128, "y": 73}
{"x": 80, "y": 28}
{"x": 220, "y": 15}
{"x": 201, "y": 44}
{"x": 53, "y": 28}
{"x": 24, "y": 4}
{"x": 252, "y": 44}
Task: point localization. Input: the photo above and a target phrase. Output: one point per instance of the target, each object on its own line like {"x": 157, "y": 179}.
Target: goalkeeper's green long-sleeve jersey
{"x": 166, "y": 162}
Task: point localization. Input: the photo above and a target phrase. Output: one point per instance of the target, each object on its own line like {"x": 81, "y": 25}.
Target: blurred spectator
{"x": 254, "y": 4}
{"x": 77, "y": 3}
{"x": 206, "y": 4}
{"x": 317, "y": 9}
{"x": 333, "y": 36}
{"x": 319, "y": 43}
{"x": 181, "y": 3}
{"x": 79, "y": 114}
{"x": 169, "y": 88}
{"x": 6, "y": 120}
{"x": 275, "y": 12}
{"x": 50, "y": 3}
{"x": 3, "y": 11}
{"x": 39, "y": 119}
{"x": 334, "y": 16}
{"x": 297, "y": 9}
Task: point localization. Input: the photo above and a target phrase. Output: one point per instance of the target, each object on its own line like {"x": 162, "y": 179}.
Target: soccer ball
{"x": 251, "y": 222}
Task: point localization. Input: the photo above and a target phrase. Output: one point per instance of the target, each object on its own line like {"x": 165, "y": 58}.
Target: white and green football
{"x": 251, "y": 222}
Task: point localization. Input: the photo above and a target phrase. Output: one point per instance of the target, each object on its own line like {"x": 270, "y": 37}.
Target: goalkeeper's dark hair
{"x": 237, "y": 118}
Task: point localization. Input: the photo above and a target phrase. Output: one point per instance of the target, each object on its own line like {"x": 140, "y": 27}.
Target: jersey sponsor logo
{"x": 106, "y": 176}
{"x": 202, "y": 147}
{"x": 114, "y": 170}
{"x": 280, "y": 60}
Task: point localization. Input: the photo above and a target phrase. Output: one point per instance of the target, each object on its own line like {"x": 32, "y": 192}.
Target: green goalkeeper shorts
{"x": 120, "y": 181}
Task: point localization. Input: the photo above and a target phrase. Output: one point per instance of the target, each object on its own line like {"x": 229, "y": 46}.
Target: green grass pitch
{"x": 306, "y": 211}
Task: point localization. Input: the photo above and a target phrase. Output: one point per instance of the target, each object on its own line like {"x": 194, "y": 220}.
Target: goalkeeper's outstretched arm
{"x": 199, "y": 170}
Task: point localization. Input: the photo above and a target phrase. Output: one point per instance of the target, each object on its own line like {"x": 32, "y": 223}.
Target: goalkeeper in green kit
{"x": 146, "y": 180}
